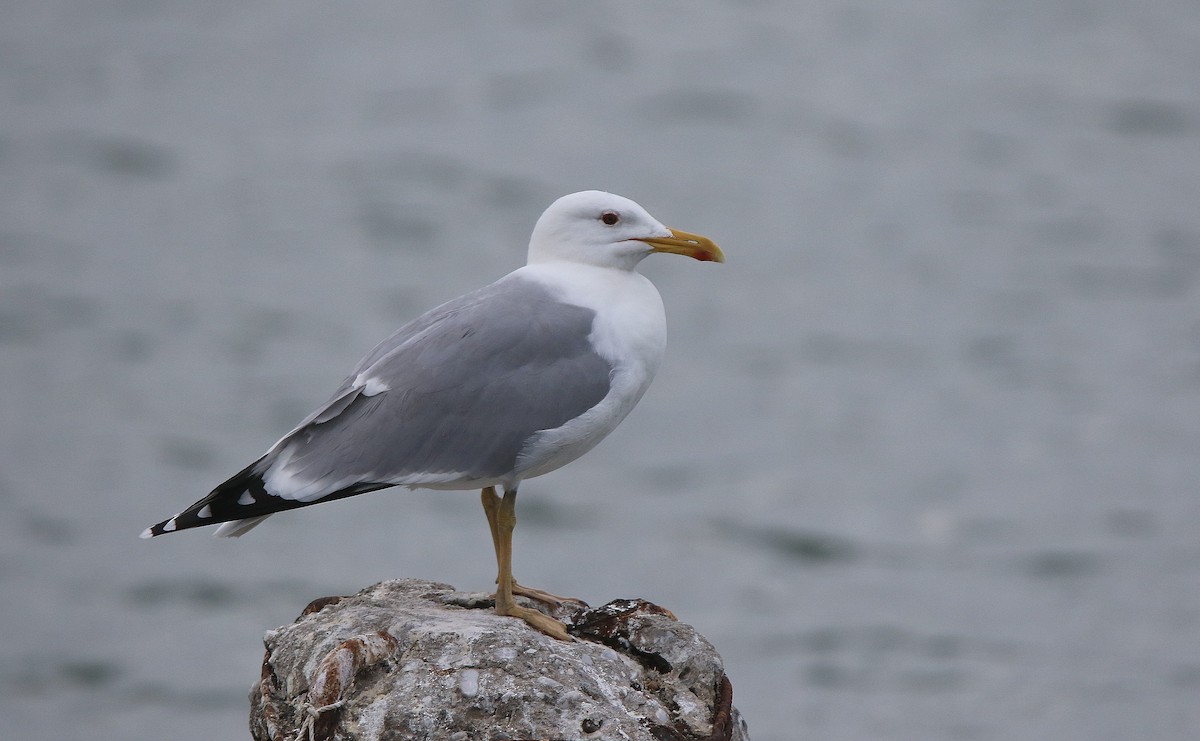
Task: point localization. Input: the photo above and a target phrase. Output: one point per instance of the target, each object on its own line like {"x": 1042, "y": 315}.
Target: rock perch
{"x": 414, "y": 659}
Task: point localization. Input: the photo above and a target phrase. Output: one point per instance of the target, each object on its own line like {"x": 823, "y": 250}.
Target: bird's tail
{"x": 238, "y": 528}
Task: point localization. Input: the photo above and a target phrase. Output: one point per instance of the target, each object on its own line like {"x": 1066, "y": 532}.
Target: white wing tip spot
{"x": 147, "y": 533}
{"x": 246, "y": 498}
{"x": 170, "y": 526}
{"x": 205, "y": 512}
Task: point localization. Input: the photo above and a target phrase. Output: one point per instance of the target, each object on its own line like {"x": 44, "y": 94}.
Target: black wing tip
{"x": 243, "y": 497}
{"x": 164, "y": 527}
{"x": 223, "y": 504}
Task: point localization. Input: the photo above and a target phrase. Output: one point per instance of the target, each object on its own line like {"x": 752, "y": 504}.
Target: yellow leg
{"x": 502, "y": 518}
{"x": 491, "y": 508}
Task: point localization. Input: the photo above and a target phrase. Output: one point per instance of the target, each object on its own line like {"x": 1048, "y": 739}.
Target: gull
{"x": 508, "y": 382}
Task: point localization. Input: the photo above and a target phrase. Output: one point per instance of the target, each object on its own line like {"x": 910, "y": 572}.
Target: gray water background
{"x": 922, "y": 459}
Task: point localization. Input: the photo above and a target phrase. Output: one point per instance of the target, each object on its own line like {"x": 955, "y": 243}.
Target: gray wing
{"x": 466, "y": 385}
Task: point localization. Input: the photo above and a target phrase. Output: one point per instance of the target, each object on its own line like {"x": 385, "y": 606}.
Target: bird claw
{"x": 553, "y": 601}
{"x": 538, "y": 621}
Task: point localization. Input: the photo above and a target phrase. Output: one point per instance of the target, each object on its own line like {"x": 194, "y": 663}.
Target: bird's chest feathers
{"x": 631, "y": 337}
{"x": 629, "y": 329}
{"x": 629, "y": 332}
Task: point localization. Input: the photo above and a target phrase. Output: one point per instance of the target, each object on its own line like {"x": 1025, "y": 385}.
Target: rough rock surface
{"x": 414, "y": 659}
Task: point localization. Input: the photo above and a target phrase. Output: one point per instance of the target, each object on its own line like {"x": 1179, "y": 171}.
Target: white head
{"x": 607, "y": 230}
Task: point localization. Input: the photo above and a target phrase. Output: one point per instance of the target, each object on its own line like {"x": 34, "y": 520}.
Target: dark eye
{"x": 610, "y": 217}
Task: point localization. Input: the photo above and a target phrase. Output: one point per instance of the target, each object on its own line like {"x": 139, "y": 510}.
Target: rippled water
{"x": 921, "y": 462}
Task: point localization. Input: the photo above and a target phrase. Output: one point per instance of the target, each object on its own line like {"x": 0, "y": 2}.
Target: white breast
{"x": 629, "y": 331}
